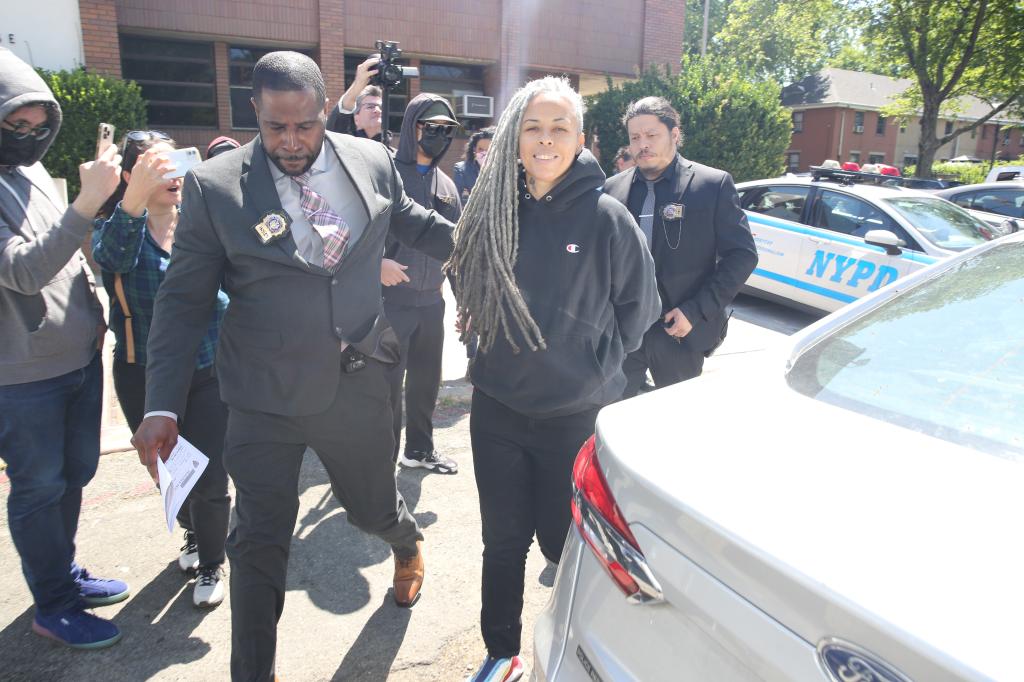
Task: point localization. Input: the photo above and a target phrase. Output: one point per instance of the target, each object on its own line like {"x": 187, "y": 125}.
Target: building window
{"x": 909, "y": 160}
{"x": 903, "y": 127}
{"x": 858, "y": 121}
{"x": 398, "y": 98}
{"x": 949, "y": 127}
{"x": 792, "y": 161}
{"x": 876, "y": 158}
{"x": 1006, "y": 137}
{"x": 880, "y": 125}
{"x": 984, "y": 132}
{"x": 241, "y": 61}
{"x": 798, "y": 121}
{"x": 177, "y": 79}
{"x": 974, "y": 133}
{"x": 855, "y": 157}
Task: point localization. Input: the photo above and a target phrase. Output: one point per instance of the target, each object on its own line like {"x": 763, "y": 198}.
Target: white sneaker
{"x": 209, "y": 589}
{"x": 188, "y": 560}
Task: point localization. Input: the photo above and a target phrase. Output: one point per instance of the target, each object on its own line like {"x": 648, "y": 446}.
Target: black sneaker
{"x": 429, "y": 460}
{"x": 188, "y": 560}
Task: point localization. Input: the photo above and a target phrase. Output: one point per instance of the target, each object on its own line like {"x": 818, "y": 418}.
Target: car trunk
{"x": 833, "y": 524}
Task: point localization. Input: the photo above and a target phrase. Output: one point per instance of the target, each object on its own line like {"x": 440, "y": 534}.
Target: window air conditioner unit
{"x": 474, "y": 106}
{"x": 858, "y": 129}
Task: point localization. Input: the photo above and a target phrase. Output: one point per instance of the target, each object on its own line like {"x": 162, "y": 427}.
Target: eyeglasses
{"x": 21, "y": 130}
{"x": 368, "y": 106}
{"x": 437, "y": 128}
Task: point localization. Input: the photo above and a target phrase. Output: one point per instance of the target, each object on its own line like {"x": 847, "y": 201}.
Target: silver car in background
{"x": 847, "y": 507}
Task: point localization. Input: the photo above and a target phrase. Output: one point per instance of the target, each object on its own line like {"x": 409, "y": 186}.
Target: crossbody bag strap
{"x": 129, "y": 337}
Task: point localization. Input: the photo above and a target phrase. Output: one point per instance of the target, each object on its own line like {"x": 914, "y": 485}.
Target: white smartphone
{"x": 104, "y": 138}
{"x": 184, "y": 160}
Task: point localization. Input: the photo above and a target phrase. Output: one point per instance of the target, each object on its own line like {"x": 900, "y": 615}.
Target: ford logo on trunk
{"x": 845, "y": 662}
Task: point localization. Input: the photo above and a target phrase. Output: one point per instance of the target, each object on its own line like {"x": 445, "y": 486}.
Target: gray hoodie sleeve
{"x": 26, "y": 266}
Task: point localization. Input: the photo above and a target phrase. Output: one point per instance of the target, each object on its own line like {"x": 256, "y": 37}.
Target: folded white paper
{"x": 178, "y": 475}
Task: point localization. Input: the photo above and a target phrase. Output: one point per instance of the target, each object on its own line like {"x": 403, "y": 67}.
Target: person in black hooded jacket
{"x": 555, "y": 278}
{"x": 412, "y": 283}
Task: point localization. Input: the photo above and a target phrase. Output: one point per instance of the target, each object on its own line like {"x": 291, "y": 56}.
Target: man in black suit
{"x": 699, "y": 237}
{"x": 293, "y": 226}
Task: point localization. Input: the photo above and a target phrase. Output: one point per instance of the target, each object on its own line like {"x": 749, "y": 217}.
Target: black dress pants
{"x": 670, "y": 361}
{"x": 523, "y": 472}
{"x": 263, "y": 454}
{"x": 207, "y": 510}
{"x": 420, "y": 332}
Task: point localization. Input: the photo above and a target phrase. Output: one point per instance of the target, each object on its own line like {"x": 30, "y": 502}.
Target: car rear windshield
{"x": 945, "y": 358}
{"x": 940, "y": 222}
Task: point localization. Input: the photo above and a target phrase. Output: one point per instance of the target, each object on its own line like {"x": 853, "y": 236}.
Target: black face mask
{"x": 15, "y": 152}
{"x": 433, "y": 145}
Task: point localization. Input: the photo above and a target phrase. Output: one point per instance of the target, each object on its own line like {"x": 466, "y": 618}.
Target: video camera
{"x": 389, "y": 74}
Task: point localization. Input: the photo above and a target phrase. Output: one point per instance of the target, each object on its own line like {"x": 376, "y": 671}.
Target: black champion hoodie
{"x": 433, "y": 190}
{"x": 588, "y": 278}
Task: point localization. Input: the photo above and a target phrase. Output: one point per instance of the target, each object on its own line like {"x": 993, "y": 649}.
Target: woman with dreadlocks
{"x": 557, "y": 281}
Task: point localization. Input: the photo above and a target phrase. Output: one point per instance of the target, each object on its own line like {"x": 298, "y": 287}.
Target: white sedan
{"x": 850, "y": 509}
{"x": 822, "y": 243}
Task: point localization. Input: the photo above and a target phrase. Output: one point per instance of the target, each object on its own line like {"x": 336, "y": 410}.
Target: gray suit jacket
{"x": 280, "y": 342}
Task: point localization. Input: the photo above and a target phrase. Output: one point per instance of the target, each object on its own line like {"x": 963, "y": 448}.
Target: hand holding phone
{"x": 183, "y": 160}
{"x": 104, "y": 138}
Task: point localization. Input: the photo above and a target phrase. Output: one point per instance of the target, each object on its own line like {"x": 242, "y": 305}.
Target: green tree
{"x": 729, "y": 119}
{"x": 785, "y": 39}
{"x": 86, "y": 100}
{"x": 951, "y": 49}
{"x": 718, "y": 11}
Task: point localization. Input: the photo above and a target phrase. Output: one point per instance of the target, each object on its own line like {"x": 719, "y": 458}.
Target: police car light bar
{"x": 847, "y": 177}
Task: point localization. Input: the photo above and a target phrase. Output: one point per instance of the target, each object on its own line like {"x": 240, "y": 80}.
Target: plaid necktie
{"x": 328, "y": 224}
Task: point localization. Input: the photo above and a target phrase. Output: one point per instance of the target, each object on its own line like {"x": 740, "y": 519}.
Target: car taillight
{"x": 606, "y": 532}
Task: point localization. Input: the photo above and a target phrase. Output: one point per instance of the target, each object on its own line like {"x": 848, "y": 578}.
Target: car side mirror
{"x": 1010, "y": 226}
{"x": 886, "y": 239}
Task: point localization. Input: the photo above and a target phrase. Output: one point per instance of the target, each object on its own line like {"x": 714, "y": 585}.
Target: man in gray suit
{"x": 293, "y": 224}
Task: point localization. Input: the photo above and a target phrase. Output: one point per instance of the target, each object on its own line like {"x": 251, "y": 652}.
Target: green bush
{"x": 729, "y": 118}
{"x": 86, "y": 100}
{"x": 967, "y": 173}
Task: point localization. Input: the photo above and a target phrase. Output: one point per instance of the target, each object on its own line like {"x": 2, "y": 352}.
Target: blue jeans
{"x": 50, "y": 439}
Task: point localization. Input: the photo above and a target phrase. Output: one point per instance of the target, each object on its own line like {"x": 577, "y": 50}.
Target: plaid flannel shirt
{"x": 122, "y": 244}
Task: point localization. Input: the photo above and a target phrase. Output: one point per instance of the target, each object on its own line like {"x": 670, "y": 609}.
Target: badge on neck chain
{"x": 272, "y": 226}
{"x": 670, "y": 213}
{"x": 673, "y": 212}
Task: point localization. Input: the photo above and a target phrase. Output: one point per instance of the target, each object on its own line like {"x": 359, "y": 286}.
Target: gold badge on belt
{"x": 273, "y": 225}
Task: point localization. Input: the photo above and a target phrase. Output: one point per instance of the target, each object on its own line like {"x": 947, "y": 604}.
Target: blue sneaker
{"x": 77, "y": 629}
{"x": 498, "y": 670}
{"x": 100, "y": 591}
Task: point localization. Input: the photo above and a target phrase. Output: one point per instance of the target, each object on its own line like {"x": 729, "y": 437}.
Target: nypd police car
{"x": 824, "y": 241}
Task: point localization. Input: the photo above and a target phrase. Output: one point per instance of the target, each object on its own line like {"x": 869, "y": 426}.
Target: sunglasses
{"x": 437, "y": 128}
{"x": 22, "y": 131}
{"x": 145, "y": 135}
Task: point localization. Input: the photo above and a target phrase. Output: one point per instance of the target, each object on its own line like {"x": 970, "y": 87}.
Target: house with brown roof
{"x": 837, "y": 115}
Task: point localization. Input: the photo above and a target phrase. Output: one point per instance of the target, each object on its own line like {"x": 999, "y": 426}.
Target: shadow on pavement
{"x": 370, "y": 657}
{"x": 156, "y": 623}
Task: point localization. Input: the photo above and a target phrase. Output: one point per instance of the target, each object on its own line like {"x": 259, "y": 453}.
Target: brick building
{"x": 194, "y": 58}
{"x": 836, "y": 115}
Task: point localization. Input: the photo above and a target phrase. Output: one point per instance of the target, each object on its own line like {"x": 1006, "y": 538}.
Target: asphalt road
{"x": 339, "y": 621}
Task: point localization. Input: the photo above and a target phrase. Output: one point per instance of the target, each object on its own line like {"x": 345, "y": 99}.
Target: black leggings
{"x": 208, "y": 507}
{"x": 523, "y": 472}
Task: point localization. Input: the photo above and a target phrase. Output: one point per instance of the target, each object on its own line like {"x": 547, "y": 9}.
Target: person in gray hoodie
{"x": 51, "y": 379}
{"x": 412, "y": 282}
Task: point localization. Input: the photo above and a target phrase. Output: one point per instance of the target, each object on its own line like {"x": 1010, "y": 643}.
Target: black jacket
{"x": 588, "y": 280}
{"x": 702, "y": 260}
{"x": 433, "y": 190}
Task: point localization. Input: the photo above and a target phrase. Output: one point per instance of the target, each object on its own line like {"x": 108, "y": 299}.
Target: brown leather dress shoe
{"x": 409, "y": 578}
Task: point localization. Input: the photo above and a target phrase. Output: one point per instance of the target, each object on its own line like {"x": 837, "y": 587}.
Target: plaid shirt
{"x": 122, "y": 244}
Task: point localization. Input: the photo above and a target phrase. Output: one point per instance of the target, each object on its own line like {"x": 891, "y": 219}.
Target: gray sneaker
{"x": 188, "y": 560}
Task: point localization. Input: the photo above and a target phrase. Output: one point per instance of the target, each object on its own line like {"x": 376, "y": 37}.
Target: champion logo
{"x": 572, "y": 248}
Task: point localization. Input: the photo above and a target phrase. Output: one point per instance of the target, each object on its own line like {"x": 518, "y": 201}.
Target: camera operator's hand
{"x": 392, "y": 272}
{"x": 99, "y": 180}
{"x": 146, "y": 178}
{"x": 364, "y": 73}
